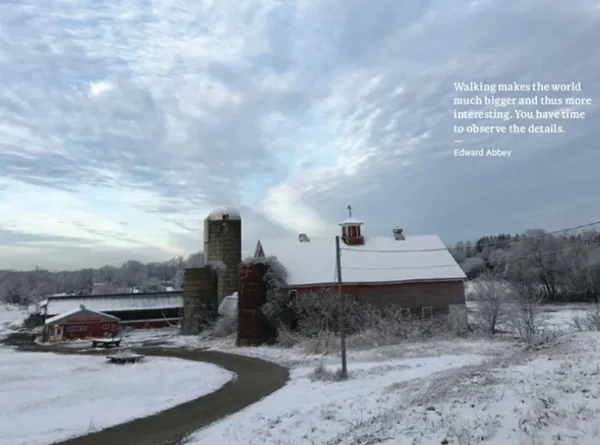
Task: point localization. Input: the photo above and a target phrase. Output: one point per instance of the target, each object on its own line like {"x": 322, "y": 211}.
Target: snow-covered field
{"x": 482, "y": 393}
{"x": 441, "y": 391}
{"x": 454, "y": 392}
{"x": 48, "y": 397}
{"x": 10, "y": 318}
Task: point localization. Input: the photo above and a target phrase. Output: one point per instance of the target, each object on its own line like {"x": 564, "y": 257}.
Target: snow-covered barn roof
{"x": 82, "y": 310}
{"x": 379, "y": 260}
{"x": 116, "y": 302}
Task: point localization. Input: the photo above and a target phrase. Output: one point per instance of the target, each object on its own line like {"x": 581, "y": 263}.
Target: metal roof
{"x": 116, "y": 302}
{"x": 77, "y": 311}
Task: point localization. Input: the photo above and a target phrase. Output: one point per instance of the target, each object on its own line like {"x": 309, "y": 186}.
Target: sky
{"x": 122, "y": 124}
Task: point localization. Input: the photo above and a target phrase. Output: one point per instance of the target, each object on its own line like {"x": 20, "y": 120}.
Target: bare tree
{"x": 492, "y": 295}
{"x": 526, "y": 315}
{"x": 539, "y": 253}
{"x": 195, "y": 260}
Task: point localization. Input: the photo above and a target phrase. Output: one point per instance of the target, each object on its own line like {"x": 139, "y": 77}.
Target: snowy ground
{"x": 10, "y": 318}
{"x": 454, "y": 392}
{"x": 482, "y": 393}
{"x": 49, "y": 397}
{"x": 449, "y": 392}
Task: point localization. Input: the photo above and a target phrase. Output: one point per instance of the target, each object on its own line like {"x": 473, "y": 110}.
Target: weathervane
{"x": 349, "y": 211}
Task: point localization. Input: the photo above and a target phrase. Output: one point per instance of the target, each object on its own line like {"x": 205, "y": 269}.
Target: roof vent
{"x": 398, "y": 235}
{"x": 82, "y": 306}
{"x": 303, "y": 238}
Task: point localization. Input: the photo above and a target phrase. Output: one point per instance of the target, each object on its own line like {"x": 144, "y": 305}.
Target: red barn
{"x": 80, "y": 323}
{"x": 416, "y": 273}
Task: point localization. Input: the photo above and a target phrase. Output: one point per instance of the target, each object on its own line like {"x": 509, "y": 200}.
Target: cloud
{"x": 123, "y": 124}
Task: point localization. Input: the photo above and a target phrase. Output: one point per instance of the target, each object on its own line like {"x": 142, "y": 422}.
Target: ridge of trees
{"x": 563, "y": 266}
{"x": 24, "y": 287}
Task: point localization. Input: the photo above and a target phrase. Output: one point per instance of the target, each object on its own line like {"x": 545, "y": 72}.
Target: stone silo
{"x": 200, "y": 299}
{"x": 223, "y": 248}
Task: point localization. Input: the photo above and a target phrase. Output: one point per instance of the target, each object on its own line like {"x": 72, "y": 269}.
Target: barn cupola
{"x": 351, "y": 230}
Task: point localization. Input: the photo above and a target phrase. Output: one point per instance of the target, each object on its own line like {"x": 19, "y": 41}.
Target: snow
{"x": 454, "y": 391}
{"x": 218, "y": 213}
{"x": 351, "y": 222}
{"x": 49, "y": 397}
{"x": 10, "y": 318}
{"x": 82, "y": 310}
{"x": 379, "y": 260}
{"x": 494, "y": 395}
{"x": 229, "y": 305}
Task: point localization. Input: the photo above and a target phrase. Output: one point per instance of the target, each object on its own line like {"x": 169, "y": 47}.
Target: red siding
{"x": 439, "y": 294}
{"x": 79, "y": 329}
{"x": 146, "y": 324}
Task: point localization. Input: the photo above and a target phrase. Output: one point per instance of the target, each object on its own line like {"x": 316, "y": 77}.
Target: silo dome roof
{"x": 221, "y": 212}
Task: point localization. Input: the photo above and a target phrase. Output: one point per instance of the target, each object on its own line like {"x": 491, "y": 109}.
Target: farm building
{"x": 140, "y": 310}
{"x": 80, "y": 323}
{"x": 416, "y": 273}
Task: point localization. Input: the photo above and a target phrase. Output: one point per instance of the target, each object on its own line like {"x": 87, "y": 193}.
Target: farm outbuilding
{"x": 415, "y": 273}
{"x": 80, "y": 323}
{"x": 139, "y": 310}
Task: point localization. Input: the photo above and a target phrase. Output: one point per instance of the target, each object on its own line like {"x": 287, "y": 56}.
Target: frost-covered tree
{"x": 492, "y": 296}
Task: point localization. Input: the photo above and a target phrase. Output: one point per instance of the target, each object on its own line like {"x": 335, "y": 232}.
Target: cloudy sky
{"x": 123, "y": 123}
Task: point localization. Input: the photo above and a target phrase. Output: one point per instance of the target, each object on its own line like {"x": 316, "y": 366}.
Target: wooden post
{"x": 338, "y": 260}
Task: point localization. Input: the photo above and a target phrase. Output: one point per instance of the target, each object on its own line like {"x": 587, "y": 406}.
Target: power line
{"x": 491, "y": 243}
{"x": 523, "y": 257}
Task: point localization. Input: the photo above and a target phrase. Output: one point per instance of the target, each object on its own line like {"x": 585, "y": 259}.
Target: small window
{"x": 226, "y": 216}
{"x": 405, "y": 313}
{"x": 106, "y": 327}
{"x": 292, "y": 294}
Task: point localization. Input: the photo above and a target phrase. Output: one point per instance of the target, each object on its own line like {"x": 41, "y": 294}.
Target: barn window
{"x": 405, "y": 313}
{"x": 106, "y": 326}
{"x": 292, "y": 294}
{"x": 426, "y": 312}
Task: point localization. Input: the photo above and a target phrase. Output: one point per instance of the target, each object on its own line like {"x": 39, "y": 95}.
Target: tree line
{"x": 24, "y": 287}
{"x": 562, "y": 266}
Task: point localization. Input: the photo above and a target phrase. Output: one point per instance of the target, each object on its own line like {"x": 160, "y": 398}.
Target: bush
{"x": 588, "y": 320}
{"x": 322, "y": 373}
{"x": 224, "y": 326}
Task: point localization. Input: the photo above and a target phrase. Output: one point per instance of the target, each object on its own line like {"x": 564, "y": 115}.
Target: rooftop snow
{"x": 350, "y": 221}
{"x": 76, "y": 311}
{"x": 117, "y": 303}
{"x": 379, "y": 260}
{"x": 231, "y": 212}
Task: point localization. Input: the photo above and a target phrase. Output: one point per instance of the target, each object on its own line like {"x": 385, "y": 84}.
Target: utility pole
{"x": 338, "y": 260}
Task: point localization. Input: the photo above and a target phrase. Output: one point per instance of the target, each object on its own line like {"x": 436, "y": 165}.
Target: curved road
{"x": 256, "y": 379}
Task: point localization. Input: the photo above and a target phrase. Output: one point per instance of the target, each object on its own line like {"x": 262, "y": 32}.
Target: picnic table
{"x": 121, "y": 359}
{"x": 109, "y": 342}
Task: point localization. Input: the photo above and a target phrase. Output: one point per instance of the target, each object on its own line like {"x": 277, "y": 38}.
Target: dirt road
{"x": 256, "y": 379}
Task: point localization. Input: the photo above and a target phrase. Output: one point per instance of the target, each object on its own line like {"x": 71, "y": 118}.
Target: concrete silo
{"x": 223, "y": 247}
{"x": 200, "y": 299}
